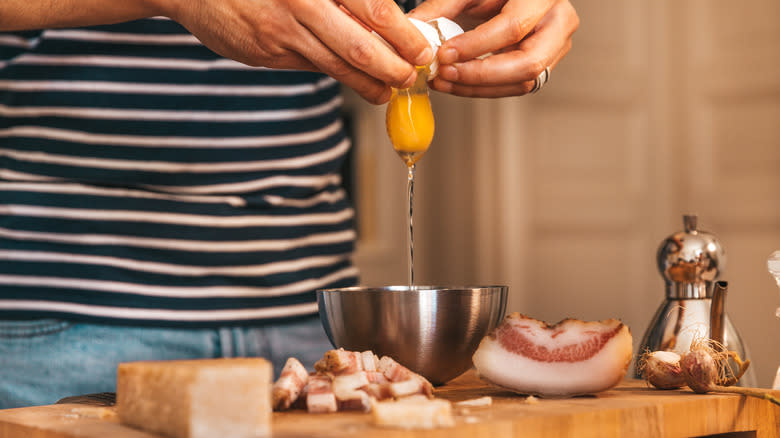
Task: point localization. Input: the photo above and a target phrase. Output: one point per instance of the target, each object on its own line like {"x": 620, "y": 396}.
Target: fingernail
{"x": 448, "y": 56}
{"x": 448, "y": 72}
{"x": 410, "y": 80}
{"x": 384, "y": 97}
{"x": 424, "y": 58}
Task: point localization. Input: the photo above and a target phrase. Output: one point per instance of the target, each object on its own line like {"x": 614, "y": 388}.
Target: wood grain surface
{"x": 631, "y": 409}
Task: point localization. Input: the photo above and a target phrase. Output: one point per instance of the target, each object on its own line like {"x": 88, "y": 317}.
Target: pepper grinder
{"x": 690, "y": 262}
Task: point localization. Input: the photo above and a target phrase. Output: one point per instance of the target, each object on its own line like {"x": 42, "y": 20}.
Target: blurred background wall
{"x": 662, "y": 108}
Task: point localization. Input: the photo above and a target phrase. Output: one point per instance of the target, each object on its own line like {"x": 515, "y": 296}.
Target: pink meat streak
{"x": 513, "y": 338}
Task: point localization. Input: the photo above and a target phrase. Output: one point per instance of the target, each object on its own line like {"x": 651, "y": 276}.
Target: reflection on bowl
{"x": 433, "y": 330}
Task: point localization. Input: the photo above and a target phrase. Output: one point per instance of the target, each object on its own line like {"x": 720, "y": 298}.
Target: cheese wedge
{"x": 414, "y": 412}
{"x": 197, "y": 398}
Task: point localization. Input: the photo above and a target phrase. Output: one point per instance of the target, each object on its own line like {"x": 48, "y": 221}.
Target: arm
{"x": 313, "y": 35}
{"x": 41, "y": 14}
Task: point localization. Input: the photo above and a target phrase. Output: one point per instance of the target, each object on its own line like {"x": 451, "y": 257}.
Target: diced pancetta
{"x": 394, "y": 371}
{"x": 340, "y": 362}
{"x": 379, "y": 391}
{"x": 376, "y": 377}
{"x": 290, "y": 384}
{"x": 320, "y": 397}
{"x": 369, "y": 360}
{"x": 345, "y": 385}
{"x": 411, "y": 386}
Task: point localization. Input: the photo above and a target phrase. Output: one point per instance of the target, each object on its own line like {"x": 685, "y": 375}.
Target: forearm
{"x": 41, "y": 14}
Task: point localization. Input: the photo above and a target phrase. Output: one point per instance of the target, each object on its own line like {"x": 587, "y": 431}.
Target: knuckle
{"x": 479, "y": 74}
{"x": 379, "y": 13}
{"x": 339, "y": 69}
{"x": 361, "y": 53}
{"x": 258, "y": 57}
{"x": 517, "y": 29}
{"x": 273, "y": 51}
{"x": 535, "y": 67}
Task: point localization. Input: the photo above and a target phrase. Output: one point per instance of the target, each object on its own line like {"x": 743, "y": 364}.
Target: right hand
{"x": 314, "y": 35}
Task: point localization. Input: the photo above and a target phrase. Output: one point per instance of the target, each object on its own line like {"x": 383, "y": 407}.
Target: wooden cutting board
{"x": 631, "y": 409}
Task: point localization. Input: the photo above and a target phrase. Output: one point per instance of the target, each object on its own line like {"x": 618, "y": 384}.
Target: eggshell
{"x": 448, "y": 28}
{"x": 436, "y": 31}
{"x": 441, "y": 29}
{"x": 429, "y": 32}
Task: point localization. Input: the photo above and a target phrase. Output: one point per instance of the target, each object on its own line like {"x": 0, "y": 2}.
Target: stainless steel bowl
{"x": 432, "y": 330}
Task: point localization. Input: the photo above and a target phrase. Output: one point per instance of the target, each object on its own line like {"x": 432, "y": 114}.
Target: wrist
{"x": 164, "y": 8}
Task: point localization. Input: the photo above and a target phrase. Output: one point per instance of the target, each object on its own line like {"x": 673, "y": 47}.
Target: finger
{"x": 514, "y": 22}
{"x": 456, "y": 89}
{"x": 529, "y": 58}
{"x": 387, "y": 19}
{"x": 431, "y": 9}
{"x": 563, "y": 52}
{"x": 503, "y": 90}
{"x": 353, "y": 43}
{"x": 328, "y": 62}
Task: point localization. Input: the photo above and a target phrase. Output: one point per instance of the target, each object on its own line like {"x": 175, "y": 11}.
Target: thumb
{"x": 431, "y": 9}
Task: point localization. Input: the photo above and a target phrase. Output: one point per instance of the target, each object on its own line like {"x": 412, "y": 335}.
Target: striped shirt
{"x": 146, "y": 180}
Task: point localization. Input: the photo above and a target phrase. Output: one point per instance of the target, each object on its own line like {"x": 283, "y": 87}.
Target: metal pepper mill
{"x": 690, "y": 262}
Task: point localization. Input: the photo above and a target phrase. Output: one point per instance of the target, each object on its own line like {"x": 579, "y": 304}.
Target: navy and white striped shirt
{"x": 146, "y": 180}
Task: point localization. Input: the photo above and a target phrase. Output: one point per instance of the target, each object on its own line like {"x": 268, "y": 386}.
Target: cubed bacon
{"x": 320, "y": 397}
{"x": 369, "y": 360}
{"x": 403, "y": 381}
{"x": 376, "y": 377}
{"x": 300, "y": 403}
{"x": 290, "y": 384}
{"x": 380, "y": 391}
{"x": 394, "y": 371}
{"x": 360, "y": 401}
{"x": 346, "y": 384}
{"x": 427, "y": 388}
{"x": 349, "y": 396}
{"x": 413, "y": 385}
{"x": 340, "y": 362}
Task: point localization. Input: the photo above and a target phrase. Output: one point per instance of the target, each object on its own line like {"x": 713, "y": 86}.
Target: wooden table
{"x": 630, "y": 410}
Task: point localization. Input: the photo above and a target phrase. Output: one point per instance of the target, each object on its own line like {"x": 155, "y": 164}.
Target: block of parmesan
{"x": 197, "y": 398}
{"x": 415, "y": 412}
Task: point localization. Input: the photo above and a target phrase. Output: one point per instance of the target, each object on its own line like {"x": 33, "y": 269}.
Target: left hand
{"x": 524, "y": 37}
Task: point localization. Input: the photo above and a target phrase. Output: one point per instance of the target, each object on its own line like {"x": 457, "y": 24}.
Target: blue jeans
{"x": 44, "y": 360}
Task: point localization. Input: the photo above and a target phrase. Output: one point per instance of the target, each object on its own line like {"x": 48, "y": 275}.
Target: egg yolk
{"x": 409, "y": 119}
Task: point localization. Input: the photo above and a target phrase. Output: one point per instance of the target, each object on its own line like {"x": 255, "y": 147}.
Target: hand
{"x": 524, "y": 37}
{"x": 314, "y": 35}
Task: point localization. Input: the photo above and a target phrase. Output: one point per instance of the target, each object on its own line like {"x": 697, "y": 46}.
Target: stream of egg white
{"x": 410, "y": 195}
{"x": 410, "y": 192}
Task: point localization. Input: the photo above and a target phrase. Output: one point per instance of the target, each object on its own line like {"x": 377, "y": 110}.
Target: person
{"x": 169, "y": 171}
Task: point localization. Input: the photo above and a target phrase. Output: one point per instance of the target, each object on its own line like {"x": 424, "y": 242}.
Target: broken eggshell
{"x": 436, "y": 31}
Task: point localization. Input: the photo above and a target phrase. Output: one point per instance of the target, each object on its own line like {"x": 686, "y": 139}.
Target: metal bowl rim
{"x": 418, "y": 289}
